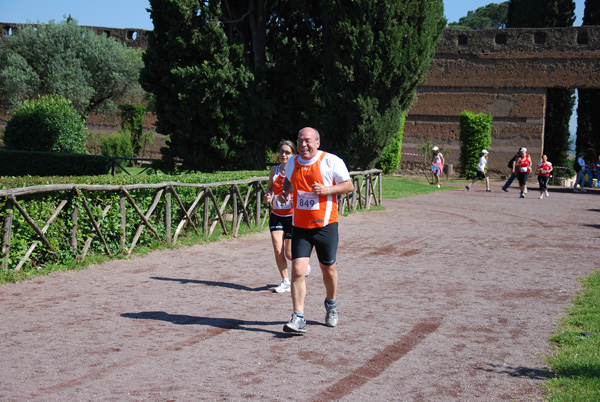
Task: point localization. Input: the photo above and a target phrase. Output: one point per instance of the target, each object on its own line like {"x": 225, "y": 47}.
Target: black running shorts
{"x": 284, "y": 223}
{"x": 324, "y": 240}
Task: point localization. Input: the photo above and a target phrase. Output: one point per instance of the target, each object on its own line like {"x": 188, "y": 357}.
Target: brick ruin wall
{"x": 505, "y": 72}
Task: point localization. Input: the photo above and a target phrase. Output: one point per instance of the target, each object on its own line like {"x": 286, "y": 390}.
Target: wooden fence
{"x": 367, "y": 192}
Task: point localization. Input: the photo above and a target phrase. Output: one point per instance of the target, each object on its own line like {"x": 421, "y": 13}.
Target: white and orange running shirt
{"x": 279, "y": 208}
{"x": 313, "y": 211}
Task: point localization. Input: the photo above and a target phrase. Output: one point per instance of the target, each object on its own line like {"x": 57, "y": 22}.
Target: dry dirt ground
{"x": 450, "y": 296}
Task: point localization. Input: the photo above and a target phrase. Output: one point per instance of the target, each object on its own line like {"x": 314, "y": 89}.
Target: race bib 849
{"x": 307, "y": 200}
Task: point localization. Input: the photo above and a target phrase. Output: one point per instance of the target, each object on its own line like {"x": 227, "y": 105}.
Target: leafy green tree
{"x": 372, "y": 67}
{"x": 543, "y": 14}
{"x": 48, "y": 124}
{"x": 92, "y": 71}
{"x": 492, "y": 16}
{"x": 233, "y": 78}
{"x": 475, "y": 135}
{"x": 198, "y": 79}
{"x": 588, "y": 118}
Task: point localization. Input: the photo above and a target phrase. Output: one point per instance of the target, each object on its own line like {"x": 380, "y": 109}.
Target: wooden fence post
{"x": 6, "y": 233}
{"x": 168, "y": 214}
{"x": 123, "y": 210}
{"x": 206, "y": 213}
{"x": 235, "y": 211}
{"x": 74, "y": 217}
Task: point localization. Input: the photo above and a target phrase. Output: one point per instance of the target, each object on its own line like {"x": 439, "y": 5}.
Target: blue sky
{"x": 133, "y": 14}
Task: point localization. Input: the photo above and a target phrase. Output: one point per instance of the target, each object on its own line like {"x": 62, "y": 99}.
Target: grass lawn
{"x": 576, "y": 364}
{"x": 400, "y": 187}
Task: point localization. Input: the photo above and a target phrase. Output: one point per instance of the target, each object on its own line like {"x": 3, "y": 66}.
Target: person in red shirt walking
{"x": 523, "y": 167}
{"x": 315, "y": 179}
{"x": 543, "y": 170}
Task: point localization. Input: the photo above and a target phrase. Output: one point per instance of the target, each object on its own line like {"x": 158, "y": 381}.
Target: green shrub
{"x": 48, "y": 124}
{"x": 475, "y": 135}
{"x": 132, "y": 117}
{"x": 392, "y": 154}
{"x": 118, "y": 145}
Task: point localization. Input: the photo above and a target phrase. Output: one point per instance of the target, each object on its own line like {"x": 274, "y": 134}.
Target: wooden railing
{"x": 367, "y": 192}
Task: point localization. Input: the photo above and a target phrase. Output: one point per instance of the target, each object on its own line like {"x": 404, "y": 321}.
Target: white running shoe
{"x": 541, "y": 196}
{"x": 437, "y": 186}
{"x": 307, "y": 271}
{"x": 546, "y": 194}
{"x": 284, "y": 286}
{"x": 525, "y": 192}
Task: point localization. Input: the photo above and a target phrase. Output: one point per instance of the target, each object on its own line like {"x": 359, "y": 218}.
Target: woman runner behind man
{"x": 280, "y": 219}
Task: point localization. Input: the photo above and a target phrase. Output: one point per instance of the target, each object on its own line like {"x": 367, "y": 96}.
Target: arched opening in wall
{"x": 131, "y": 35}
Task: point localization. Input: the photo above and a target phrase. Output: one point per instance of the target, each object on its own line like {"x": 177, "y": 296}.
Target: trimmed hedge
{"x": 33, "y": 163}
{"x": 475, "y": 135}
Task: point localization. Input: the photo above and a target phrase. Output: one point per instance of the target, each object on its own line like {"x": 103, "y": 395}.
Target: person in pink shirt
{"x": 437, "y": 165}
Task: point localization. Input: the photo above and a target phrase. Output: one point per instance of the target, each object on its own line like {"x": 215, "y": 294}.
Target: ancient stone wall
{"x": 506, "y": 73}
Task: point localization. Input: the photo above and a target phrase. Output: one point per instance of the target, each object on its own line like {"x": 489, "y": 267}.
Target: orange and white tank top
{"x": 311, "y": 211}
{"x": 278, "y": 208}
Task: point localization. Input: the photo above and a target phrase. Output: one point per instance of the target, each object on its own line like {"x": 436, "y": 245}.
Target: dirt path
{"x": 450, "y": 296}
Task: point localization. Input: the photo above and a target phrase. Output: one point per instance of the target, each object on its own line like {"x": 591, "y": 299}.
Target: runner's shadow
{"x": 223, "y": 324}
{"x": 213, "y": 283}
{"x": 519, "y": 371}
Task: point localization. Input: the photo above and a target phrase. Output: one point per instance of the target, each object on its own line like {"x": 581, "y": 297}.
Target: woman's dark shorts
{"x": 522, "y": 177}
{"x": 543, "y": 182}
{"x": 284, "y": 223}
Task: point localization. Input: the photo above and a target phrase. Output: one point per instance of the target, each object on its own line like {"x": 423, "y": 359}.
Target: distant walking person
{"x": 597, "y": 169}
{"x": 513, "y": 175}
{"x": 523, "y": 169}
{"x": 437, "y": 165}
{"x": 315, "y": 178}
{"x": 543, "y": 170}
{"x": 580, "y": 163}
{"x": 481, "y": 174}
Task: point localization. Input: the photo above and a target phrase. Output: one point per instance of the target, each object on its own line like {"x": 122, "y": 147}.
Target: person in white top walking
{"x": 481, "y": 175}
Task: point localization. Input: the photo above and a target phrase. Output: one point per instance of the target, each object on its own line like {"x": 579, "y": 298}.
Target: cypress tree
{"x": 198, "y": 78}
{"x": 543, "y": 14}
{"x": 588, "y": 118}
